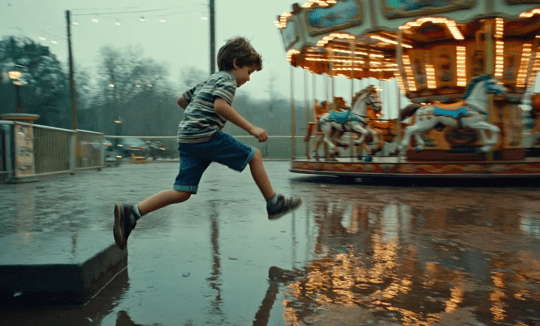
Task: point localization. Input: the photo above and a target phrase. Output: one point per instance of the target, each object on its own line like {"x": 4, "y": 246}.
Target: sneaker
{"x": 283, "y": 206}
{"x": 122, "y": 224}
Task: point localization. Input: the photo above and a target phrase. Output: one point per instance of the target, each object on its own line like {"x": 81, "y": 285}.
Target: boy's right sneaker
{"x": 282, "y": 206}
{"x": 122, "y": 224}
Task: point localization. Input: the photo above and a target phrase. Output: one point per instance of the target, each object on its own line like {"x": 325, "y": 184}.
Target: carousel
{"x": 464, "y": 69}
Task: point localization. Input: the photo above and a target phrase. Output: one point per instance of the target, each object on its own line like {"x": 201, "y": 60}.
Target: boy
{"x": 200, "y": 141}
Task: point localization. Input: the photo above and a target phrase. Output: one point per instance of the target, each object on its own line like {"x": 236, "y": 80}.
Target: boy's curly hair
{"x": 240, "y": 49}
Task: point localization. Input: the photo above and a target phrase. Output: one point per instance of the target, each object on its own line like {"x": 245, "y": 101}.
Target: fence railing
{"x": 276, "y": 147}
{"x": 166, "y": 147}
{"x": 30, "y": 150}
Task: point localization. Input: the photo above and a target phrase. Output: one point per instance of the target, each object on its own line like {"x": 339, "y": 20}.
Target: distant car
{"x": 131, "y": 145}
{"x": 157, "y": 149}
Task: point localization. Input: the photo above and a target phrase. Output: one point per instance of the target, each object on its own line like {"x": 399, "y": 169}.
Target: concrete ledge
{"x": 57, "y": 267}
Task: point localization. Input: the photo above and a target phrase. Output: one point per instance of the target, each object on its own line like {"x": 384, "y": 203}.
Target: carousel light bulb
{"x": 450, "y": 24}
{"x": 528, "y": 14}
{"x": 290, "y": 54}
{"x": 282, "y": 23}
{"x": 321, "y": 3}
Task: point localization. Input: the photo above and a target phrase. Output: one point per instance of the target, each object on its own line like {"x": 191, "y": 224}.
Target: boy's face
{"x": 241, "y": 74}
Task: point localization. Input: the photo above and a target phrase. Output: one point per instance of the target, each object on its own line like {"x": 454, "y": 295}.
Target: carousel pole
{"x": 332, "y": 103}
{"x": 293, "y": 123}
{"x": 332, "y": 73}
{"x": 399, "y": 54}
{"x": 313, "y": 83}
{"x": 306, "y": 105}
{"x": 351, "y": 140}
{"x": 489, "y": 70}
{"x": 306, "y": 97}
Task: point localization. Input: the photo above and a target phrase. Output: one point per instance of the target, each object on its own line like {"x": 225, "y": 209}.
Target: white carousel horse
{"x": 334, "y": 124}
{"x": 470, "y": 113}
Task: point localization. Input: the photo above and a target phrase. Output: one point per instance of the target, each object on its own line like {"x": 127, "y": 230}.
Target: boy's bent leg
{"x": 260, "y": 176}
{"x": 162, "y": 199}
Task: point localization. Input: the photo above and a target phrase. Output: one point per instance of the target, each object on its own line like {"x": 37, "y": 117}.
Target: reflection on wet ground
{"x": 423, "y": 255}
{"x": 385, "y": 252}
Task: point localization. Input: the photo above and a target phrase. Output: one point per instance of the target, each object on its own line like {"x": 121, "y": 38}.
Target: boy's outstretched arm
{"x": 225, "y": 110}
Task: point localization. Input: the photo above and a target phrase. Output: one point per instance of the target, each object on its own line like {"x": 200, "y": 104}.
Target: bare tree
{"x": 123, "y": 74}
{"x": 190, "y": 77}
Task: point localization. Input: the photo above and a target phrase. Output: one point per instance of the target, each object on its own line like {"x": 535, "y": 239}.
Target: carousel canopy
{"x": 433, "y": 48}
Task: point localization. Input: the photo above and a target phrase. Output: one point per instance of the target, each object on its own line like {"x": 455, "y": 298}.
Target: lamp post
{"x": 15, "y": 75}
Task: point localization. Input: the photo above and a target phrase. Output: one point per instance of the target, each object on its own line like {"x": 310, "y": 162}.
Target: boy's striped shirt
{"x": 200, "y": 120}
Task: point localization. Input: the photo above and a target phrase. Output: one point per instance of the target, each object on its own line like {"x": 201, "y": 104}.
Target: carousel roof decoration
{"x": 449, "y": 23}
{"x": 320, "y": 3}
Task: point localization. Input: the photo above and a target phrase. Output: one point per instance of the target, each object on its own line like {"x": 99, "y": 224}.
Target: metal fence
{"x": 166, "y": 147}
{"x": 29, "y": 150}
{"x": 52, "y": 149}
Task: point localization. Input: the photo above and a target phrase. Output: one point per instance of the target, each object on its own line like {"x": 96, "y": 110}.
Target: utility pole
{"x": 212, "y": 39}
{"x": 74, "y": 114}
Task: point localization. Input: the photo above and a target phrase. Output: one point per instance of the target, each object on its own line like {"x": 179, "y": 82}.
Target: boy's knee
{"x": 257, "y": 156}
{"x": 182, "y": 196}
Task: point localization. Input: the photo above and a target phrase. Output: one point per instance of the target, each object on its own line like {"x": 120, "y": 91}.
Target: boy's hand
{"x": 259, "y": 133}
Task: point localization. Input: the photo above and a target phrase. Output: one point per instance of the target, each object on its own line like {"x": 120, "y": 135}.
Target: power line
{"x": 52, "y": 34}
{"x": 127, "y": 12}
{"x": 60, "y": 28}
{"x": 85, "y": 9}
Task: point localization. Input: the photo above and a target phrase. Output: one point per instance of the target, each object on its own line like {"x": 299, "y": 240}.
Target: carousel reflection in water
{"x": 420, "y": 263}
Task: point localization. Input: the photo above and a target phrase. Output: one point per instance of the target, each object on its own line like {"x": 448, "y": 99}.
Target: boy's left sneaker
{"x": 122, "y": 224}
{"x": 283, "y": 206}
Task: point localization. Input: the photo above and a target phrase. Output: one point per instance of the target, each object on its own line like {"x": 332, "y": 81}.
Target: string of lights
{"x": 99, "y": 14}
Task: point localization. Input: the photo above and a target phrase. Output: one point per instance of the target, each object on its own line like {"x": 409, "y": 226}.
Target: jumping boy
{"x": 200, "y": 141}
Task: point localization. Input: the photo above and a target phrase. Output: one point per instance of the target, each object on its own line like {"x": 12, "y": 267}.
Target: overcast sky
{"x": 176, "y": 36}
{"x": 172, "y": 32}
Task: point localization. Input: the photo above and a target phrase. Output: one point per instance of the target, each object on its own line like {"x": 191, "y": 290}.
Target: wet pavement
{"x": 387, "y": 252}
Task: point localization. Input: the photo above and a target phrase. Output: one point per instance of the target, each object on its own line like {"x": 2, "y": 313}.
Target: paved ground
{"x": 378, "y": 253}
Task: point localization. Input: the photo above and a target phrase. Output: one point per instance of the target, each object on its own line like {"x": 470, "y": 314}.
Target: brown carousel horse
{"x": 387, "y": 127}
{"x": 318, "y": 110}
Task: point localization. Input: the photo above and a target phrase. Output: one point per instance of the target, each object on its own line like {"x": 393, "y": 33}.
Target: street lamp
{"x": 15, "y": 75}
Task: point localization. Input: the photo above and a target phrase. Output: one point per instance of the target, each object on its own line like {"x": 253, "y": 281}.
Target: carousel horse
{"x": 472, "y": 113}
{"x": 335, "y": 124}
{"x": 387, "y": 127}
{"x": 318, "y": 110}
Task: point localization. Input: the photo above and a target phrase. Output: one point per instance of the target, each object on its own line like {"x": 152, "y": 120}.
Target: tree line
{"x": 124, "y": 85}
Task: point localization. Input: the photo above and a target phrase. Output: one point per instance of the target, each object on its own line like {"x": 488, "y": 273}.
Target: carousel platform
{"x": 401, "y": 166}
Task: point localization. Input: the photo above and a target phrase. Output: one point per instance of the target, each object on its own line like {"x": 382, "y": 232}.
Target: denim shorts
{"x": 195, "y": 158}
